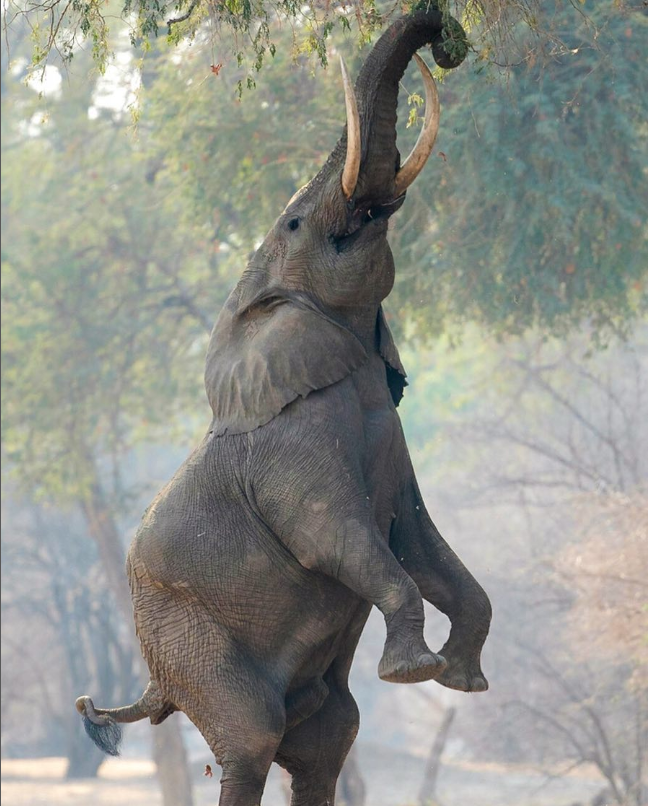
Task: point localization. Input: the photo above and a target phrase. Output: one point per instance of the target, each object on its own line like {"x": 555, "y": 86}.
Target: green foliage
{"x": 106, "y": 303}
{"x": 529, "y": 213}
{"x": 532, "y": 210}
{"x": 251, "y": 27}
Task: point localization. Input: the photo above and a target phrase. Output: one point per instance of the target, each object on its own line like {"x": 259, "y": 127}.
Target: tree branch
{"x": 185, "y": 16}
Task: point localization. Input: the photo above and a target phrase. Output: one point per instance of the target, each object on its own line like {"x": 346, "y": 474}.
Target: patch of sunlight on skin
{"x": 393, "y": 597}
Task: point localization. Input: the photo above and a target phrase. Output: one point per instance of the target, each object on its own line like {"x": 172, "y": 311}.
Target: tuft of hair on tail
{"x": 106, "y": 736}
{"x": 102, "y": 724}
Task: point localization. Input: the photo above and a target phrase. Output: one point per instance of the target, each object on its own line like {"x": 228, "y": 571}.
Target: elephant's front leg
{"x": 446, "y": 583}
{"x": 316, "y": 505}
{"x": 348, "y": 547}
{"x": 358, "y": 556}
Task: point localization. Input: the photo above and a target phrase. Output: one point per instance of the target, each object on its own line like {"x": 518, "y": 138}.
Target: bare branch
{"x": 185, "y": 16}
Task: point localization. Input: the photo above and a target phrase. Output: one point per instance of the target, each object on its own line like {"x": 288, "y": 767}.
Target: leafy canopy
{"x": 252, "y": 28}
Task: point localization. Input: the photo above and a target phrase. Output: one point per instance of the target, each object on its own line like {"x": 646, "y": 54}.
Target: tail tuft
{"x": 107, "y": 736}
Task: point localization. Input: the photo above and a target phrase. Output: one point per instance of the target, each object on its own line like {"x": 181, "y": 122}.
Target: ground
{"x": 392, "y": 780}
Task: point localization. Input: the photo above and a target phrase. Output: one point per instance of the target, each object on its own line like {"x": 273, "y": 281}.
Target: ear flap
{"x": 396, "y": 375}
{"x": 266, "y": 353}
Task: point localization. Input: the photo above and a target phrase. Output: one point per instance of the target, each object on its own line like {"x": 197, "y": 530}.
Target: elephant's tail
{"x": 102, "y": 724}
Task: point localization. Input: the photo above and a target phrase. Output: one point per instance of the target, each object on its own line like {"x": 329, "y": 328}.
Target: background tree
{"x": 91, "y": 342}
{"x": 571, "y": 442}
{"x": 56, "y": 585}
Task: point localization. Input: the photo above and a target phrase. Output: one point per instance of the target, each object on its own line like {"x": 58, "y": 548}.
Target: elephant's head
{"x": 305, "y": 312}
{"x": 330, "y": 240}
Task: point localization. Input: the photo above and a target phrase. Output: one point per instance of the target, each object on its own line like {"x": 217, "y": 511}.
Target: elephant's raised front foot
{"x": 462, "y": 674}
{"x": 409, "y": 662}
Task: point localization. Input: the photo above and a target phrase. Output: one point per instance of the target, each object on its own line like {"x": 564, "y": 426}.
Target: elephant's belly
{"x": 221, "y": 578}
{"x": 230, "y": 571}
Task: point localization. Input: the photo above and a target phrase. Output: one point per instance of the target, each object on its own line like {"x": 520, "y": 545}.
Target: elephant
{"x": 254, "y": 570}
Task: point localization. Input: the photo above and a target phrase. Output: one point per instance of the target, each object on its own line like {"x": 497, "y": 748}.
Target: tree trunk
{"x": 427, "y": 792}
{"x": 351, "y": 790}
{"x": 84, "y": 759}
{"x": 168, "y": 748}
{"x": 172, "y": 764}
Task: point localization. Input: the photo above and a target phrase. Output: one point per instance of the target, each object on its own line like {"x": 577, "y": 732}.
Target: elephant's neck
{"x": 361, "y": 321}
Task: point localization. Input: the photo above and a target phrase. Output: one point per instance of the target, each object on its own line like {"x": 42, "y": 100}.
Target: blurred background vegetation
{"x": 138, "y": 176}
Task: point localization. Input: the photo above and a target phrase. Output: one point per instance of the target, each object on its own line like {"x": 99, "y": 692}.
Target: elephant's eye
{"x": 293, "y": 224}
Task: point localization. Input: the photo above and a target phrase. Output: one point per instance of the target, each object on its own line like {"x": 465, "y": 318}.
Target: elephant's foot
{"x": 462, "y": 674}
{"x": 409, "y": 662}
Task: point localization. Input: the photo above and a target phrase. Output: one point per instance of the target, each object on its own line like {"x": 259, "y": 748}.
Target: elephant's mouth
{"x": 369, "y": 219}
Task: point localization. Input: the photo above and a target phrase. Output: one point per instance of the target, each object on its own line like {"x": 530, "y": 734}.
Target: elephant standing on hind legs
{"x": 254, "y": 570}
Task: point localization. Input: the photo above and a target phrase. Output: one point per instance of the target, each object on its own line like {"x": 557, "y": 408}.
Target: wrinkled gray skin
{"x": 255, "y": 569}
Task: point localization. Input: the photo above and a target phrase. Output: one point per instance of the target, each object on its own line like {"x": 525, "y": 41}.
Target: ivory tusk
{"x": 352, "y": 163}
{"x": 414, "y": 164}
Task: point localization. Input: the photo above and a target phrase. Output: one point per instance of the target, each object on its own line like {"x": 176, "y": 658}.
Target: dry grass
{"x": 131, "y": 782}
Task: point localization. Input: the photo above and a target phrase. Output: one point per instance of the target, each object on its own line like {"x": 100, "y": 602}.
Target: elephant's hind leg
{"x": 242, "y": 719}
{"x": 304, "y": 701}
{"x": 228, "y": 697}
{"x": 313, "y": 752}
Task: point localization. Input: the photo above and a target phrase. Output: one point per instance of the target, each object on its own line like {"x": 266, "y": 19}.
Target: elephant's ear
{"x": 396, "y": 375}
{"x": 267, "y": 353}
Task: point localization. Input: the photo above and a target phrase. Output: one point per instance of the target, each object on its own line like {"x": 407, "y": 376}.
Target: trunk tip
{"x": 450, "y": 47}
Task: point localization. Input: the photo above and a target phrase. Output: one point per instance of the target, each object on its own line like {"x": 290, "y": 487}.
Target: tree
{"x": 63, "y": 28}
{"x": 571, "y": 445}
{"x": 94, "y": 316}
{"x": 533, "y": 218}
{"x": 527, "y": 216}
{"x": 54, "y": 593}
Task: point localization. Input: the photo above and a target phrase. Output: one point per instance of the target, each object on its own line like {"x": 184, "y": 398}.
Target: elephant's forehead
{"x": 296, "y": 197}
{"x": 311, "y": 194}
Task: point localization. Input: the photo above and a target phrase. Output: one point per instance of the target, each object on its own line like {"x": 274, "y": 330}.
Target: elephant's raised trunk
{"x": 376, "y": 90}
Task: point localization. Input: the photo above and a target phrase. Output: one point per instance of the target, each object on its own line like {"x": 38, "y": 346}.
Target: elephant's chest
{"x": 382, "y": 465}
